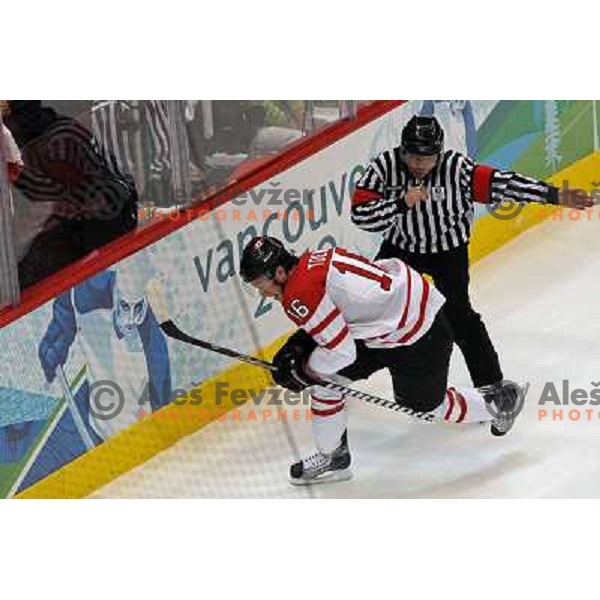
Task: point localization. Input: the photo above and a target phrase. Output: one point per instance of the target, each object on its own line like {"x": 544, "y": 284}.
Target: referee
{"x": 146, "y": 156}
{"x": 421, "y": 196}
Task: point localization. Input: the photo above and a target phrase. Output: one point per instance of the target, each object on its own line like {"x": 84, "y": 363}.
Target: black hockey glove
{"x": 291, "y": 360}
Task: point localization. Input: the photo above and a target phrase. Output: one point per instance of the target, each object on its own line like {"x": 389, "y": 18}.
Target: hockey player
{"x": 355, "y": 318}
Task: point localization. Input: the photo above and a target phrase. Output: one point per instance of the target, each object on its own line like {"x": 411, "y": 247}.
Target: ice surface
{"x": 539, "y": 297}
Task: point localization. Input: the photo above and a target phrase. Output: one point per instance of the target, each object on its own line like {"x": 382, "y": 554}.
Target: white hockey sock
{"x": 463, "y": 405}
{"x": 330, "y": 418}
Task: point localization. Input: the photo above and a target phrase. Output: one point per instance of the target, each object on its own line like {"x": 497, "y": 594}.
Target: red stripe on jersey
{"x": 362, "y": 196}
{"x": 326, "y": 401}
{"x": 324, "y": 323}
{"x": 422, "y": 311}
{"x": 481, "y": 185}
{"x": 408, "y": 292}
{"x": 338, "y": 339}
{"x": 358, "y": 257}
{"x": 375, "y": 272}
{"x": 402, "y": 321}
{"x": 328, "y": 412}
{"x": 463, "y": 407}
{"x": 450, "y": 399}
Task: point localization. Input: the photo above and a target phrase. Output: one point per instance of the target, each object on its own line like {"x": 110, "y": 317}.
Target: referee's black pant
{"x": 450, "y": 273}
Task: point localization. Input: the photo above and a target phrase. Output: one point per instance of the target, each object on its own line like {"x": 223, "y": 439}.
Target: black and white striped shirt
{"x": 62, "y": 165}
{"x": 444, "y": 220}
{"x": 114, "y": 124}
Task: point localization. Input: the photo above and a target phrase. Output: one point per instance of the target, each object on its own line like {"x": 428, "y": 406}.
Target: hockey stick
{"x": 170, "y": 329}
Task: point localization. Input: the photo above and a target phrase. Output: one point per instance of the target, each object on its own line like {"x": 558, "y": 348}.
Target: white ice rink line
{"x": 539, "y": 297}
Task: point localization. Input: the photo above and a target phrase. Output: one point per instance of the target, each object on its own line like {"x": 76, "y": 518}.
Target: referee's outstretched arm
{"x": 489, "y": 185}
{"x": 380, "y": 195}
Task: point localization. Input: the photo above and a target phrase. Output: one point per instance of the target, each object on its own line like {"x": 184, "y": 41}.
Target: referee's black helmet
{"x": 423, "y": 136}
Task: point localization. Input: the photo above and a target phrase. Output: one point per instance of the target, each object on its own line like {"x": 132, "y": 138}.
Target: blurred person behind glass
{"x": 92, "y": 203}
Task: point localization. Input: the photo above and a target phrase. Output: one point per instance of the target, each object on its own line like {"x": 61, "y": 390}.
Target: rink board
{"x": 330, "y": 173}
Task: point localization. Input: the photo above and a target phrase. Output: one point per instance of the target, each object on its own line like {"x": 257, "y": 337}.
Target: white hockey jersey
{"x": 338, "y": 297}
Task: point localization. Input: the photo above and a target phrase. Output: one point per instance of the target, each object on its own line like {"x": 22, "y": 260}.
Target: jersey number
{"x": 369, "y": 271}
{"x": 298, "y": 309}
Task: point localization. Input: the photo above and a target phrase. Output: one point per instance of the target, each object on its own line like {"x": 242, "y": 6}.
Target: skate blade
{"x": 331, "y": 477}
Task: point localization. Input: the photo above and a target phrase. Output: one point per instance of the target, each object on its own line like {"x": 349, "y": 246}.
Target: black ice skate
{"x": 323, "y": 468}
{"x": 505, "y": 401}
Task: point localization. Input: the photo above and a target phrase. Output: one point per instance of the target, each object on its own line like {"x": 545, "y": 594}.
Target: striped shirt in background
{"x": 114, "y": 123}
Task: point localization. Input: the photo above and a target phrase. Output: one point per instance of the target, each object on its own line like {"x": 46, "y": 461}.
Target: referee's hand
{"x": 577, "y": 199}
{"x": 415, "y": 194}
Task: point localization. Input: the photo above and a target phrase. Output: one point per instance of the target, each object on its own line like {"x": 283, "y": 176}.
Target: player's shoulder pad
{"x": 307, "y": 285}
